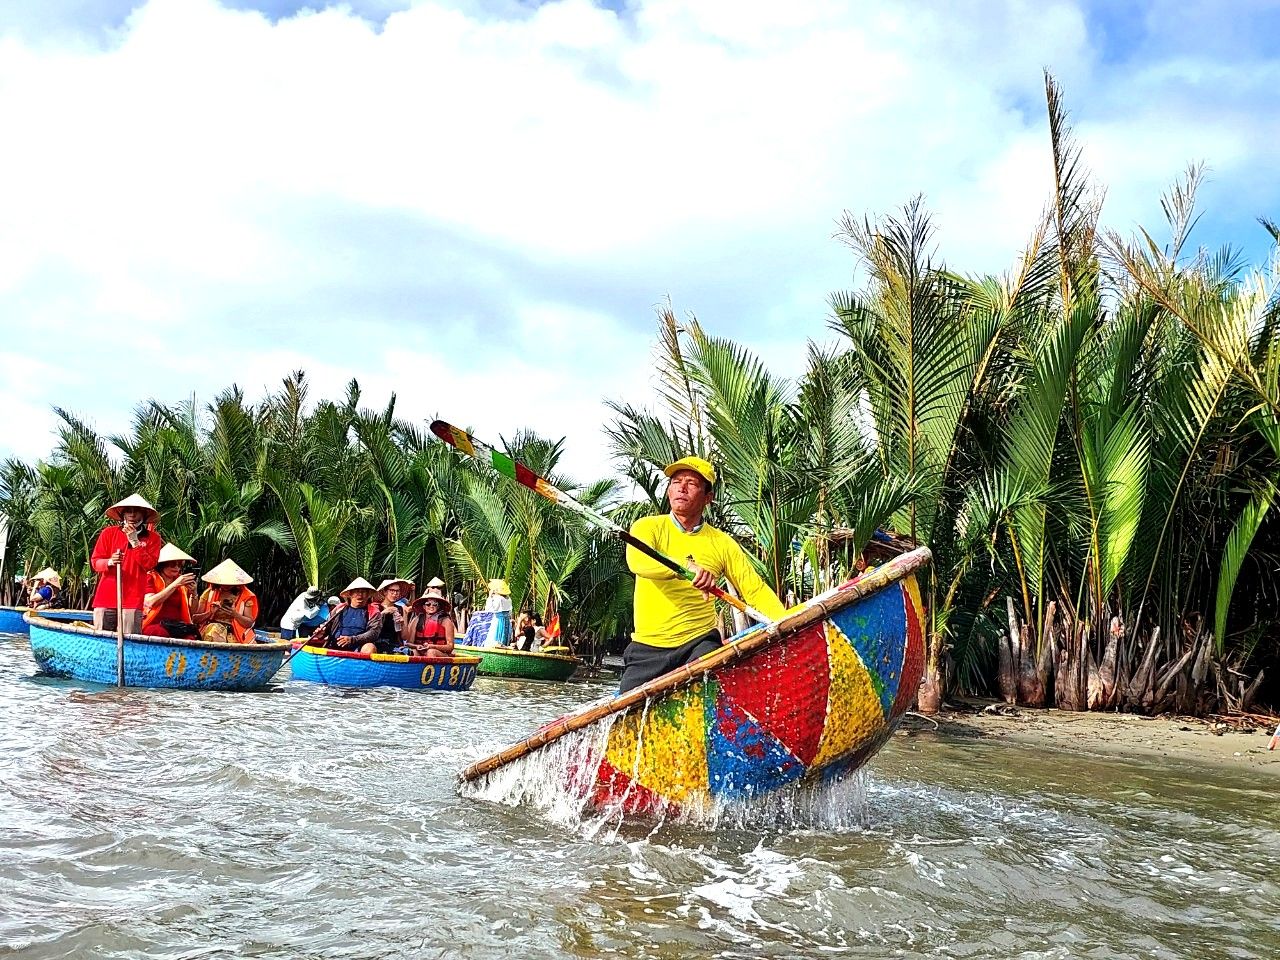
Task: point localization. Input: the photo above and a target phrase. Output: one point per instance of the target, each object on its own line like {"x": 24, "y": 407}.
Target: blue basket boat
{"x": 11, "y": 618}
{"x": 345, "y": 668}
{"x": 77, "y": 651}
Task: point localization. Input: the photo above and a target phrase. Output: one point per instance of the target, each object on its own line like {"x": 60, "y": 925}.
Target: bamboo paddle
{"x": 461, "y": 440}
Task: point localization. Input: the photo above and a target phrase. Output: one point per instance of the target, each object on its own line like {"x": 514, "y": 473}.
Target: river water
{"x": 308, "y": 822}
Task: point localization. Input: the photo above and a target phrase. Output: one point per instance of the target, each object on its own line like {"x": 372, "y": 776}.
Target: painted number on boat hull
{"x": 456, "y": 673}
{"x": 176, "y": 664}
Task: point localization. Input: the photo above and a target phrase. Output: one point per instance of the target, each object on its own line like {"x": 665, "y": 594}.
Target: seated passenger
{"x": 429, "y": 629}
{"x": 46, "y": 587}
{"x": 524, "y": 633}
{"x": 228, "y": 609}
{"x": 355, "y": 623}
{"x": 166, "y": 606}
{"x": 306, "y": 613}
{"x": 393, "y": 599}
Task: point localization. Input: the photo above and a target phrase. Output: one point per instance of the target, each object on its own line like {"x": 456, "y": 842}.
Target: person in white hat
{"x": 357, "y": 623}
{"x": 305, "y": 614}
{"x": 228, "y": 609}
{"x": 129, "y": 549}
{"x": 44, "y": 589}
{"x": 166, "y": 608}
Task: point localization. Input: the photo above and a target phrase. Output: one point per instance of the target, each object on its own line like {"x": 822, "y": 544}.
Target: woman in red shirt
{"x": 166, "y": 608}
{"x": 129, "y": 551}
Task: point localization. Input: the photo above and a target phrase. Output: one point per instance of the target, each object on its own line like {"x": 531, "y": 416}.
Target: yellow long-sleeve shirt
{"x": 668, "y": 610}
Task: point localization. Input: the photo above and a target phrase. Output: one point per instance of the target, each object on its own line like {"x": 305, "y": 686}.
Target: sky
{"x": 480, "y": 206}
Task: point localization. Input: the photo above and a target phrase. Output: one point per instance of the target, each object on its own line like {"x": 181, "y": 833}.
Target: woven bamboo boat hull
{"x": 343, "y": 668}
{"x": 11, "y": 618}
{"x": 521, "y": 665}
{"x": 809, "y": 698}
{"x": 79, "y": 652}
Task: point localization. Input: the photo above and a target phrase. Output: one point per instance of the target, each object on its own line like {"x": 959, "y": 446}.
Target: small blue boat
{"x": 11, "y": 618}
{"x": 78, "y": 651}
{"x": 345, "y": 668}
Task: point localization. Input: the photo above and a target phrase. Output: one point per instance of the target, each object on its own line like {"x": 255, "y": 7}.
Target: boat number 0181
{"x": 456, "y": 672}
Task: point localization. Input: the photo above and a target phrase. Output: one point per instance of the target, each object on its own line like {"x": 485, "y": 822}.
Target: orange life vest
{"x": 152, "y": 615}
{"x": 246, "y": 604}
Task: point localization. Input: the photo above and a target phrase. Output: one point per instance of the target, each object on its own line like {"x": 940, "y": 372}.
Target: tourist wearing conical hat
{"x": 356, "y": 623}
{"x": 429, "y": 630}
{"x": 45, "y": 590}
{"x": 228, "y": 609}
{"x": 129, "y": 548}
{"x": 499, "y": 600}
{"x": 166, "y": 608}
{"x": 395, "y": 592}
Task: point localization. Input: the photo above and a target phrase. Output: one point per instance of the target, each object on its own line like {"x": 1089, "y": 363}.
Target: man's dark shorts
{"x": 642, "y": 662}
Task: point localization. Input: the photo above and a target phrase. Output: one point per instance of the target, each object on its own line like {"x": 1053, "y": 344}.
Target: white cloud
{"x": 507, "y": 193}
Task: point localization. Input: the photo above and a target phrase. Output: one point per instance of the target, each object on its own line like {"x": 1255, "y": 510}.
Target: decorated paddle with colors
{"x": 461, "y": 440}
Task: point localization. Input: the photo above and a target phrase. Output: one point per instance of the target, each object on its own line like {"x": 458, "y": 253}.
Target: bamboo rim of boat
{"x": 512, "y": 652}
{"x": 819, "y": 608}
{"x": 460, "y": 659}
{"x": 38, "y": 611}
{"x": 81, "y": 627}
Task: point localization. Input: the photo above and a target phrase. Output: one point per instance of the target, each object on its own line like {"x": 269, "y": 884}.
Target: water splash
{"x": 560, "y": 780}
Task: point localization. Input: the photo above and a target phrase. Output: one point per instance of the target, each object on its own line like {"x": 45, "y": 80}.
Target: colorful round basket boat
{"x": 345, "y": 668}
{"x": 11, "y": 618}
{"x": 79, "y": 652}
{"x": 809, "y": 698}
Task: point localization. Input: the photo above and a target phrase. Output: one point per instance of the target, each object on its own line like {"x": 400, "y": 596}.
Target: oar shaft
{"x": 119, "y": 625}
{"x": 461, "y": 440}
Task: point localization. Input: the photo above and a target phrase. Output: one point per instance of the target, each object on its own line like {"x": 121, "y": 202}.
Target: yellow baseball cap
{"x": 696, "y": 464}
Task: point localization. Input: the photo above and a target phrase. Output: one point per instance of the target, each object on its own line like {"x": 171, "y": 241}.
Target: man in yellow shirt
{"x": 675, "y": 619}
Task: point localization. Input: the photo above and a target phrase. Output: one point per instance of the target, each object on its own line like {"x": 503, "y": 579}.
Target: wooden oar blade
{"x": 453, "y": 436}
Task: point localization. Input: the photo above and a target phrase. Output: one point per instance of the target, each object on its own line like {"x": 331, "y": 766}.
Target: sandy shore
{"x": 1111, "y": 735}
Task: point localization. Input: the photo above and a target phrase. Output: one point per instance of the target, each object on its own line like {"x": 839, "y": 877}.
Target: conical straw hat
{"x": 170, "y": 553}
{"x": 406, "y": 586}
{"x": 436, "y": 582}
{"x": 434, "y": 593}
{"x": 227, "y": 574}
{"x": 498, "y": 585}
{"x": 133, "y": 500}
{"x": 359, "y": 583}
{"x": 49, "y": 575}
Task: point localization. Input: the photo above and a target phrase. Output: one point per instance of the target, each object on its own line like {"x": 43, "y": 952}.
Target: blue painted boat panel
{"x": 11, "y": 618}
{"x": 82, "y": 653}
{"x": 384, "y": 670}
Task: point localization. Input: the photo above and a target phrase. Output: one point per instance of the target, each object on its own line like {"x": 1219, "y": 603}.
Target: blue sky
{"x": 478, "y": 204}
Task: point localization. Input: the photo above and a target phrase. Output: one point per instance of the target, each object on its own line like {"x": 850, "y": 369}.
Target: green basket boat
{"x": 519, "y": 665}
{"x": 499, "y": 659}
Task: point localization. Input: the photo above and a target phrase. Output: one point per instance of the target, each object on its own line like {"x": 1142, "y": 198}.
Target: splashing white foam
{"x": 560, "y": 780}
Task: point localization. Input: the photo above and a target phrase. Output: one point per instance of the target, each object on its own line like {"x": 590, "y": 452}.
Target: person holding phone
{"x": 228, "y": 609}
{"x": 128, "y": 549}
{"x": 166, "y": 608}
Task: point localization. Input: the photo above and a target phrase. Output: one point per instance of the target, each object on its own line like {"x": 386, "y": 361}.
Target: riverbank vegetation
{"x": 1089, "y": 443}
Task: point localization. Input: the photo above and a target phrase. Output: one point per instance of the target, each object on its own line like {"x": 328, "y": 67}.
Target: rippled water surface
{"x": 306, "y": 822}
